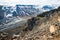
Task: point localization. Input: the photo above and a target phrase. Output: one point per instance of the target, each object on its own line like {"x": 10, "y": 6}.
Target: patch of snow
{"x": 9, "y": 15}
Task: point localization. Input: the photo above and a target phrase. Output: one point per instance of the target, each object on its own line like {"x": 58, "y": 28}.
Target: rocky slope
{"x": 45, "y": 26}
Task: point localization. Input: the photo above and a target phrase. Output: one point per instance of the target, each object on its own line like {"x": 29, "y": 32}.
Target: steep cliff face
{"x": 45, "y": 26}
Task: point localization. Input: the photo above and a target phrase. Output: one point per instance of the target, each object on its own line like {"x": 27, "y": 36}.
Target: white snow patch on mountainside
{"x": 9, "y": 15}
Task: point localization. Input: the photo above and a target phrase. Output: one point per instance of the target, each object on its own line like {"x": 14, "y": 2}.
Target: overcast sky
{"x": 34, "y": 2}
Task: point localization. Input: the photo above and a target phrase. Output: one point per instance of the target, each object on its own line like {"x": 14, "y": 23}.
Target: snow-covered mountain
{"x": 25, "y": 10}
{"x": 20, "y": 10}
{"x": 47, "y": 7}
{"x": 8, "y": 12}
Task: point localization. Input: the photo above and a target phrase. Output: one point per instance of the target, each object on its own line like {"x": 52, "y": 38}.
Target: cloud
{"x": 34, "y": 2}
{"x": 49, "y": 2}
{"x": 14, "y": 2}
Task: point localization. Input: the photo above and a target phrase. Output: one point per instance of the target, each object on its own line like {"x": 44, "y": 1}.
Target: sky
{"x": 33, "y": 2}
